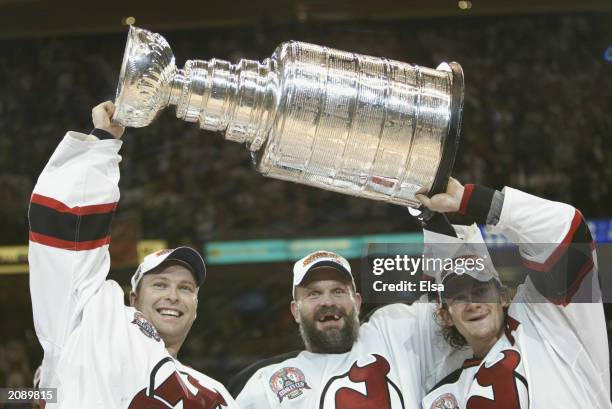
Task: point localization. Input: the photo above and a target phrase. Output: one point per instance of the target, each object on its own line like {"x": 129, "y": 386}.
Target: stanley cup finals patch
{"x": 446, "y": 401}
{"x": 288, "y": 382}
{"x": 145, "y": 326}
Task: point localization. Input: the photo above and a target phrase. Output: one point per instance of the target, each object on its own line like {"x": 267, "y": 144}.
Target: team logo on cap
{"x": 318, "y": 255}
{"x": 288, "y": 382}
{"x": 145, "y": 326}
{"x": 446, "y": 401}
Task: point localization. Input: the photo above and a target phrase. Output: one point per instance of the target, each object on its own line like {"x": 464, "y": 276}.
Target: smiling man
{"x": 98, "y": 352}
{"x": 547, "y": 346}
{"x": 325, "y": 303}
{"x": 474, "y": 309}
{"x": 165, "y": 290}
{"x": 389, "y": 362}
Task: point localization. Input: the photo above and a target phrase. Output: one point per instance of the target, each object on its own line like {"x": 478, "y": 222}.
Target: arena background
{"x": 537, "y": 117}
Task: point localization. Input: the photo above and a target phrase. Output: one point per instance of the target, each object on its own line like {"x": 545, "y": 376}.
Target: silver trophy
{"x": 351, "y": 123}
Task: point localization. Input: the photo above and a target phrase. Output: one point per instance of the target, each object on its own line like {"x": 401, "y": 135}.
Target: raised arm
{"x": 554, "y": 240}
{"x": 69, "y": 218}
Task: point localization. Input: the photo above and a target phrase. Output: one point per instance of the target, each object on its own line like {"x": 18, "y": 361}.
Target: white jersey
{"x": 98, "y": 352}
{"x": 554, "y": 350}
{"x": 396, "y": 359}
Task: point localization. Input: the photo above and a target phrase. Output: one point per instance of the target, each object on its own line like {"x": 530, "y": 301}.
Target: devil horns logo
{"x": 173, "y": 390}
{"x": 365, "y": 387}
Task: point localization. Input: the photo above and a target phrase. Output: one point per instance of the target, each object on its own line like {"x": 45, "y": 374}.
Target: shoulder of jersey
{"x": 237, "y": 383}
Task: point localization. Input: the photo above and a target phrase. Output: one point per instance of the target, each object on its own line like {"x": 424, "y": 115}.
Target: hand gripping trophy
{"x": 355, "y": 124}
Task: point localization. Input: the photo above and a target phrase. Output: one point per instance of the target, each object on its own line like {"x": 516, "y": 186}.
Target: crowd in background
{"x": 536, "y": 117}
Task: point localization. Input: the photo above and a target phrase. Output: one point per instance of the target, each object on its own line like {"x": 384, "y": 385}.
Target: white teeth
{"x": 337, "y": 317}
{"x": 171, "y": 313}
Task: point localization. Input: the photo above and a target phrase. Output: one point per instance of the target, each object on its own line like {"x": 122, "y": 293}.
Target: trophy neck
{"x": 177, "y": 84}
{"x": 238, "y": 98}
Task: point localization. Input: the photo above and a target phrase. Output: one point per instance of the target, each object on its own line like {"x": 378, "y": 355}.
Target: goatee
{"x": 331, "y": 341}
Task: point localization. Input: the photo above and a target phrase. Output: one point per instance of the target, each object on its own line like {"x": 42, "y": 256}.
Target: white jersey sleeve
{"x": 561, "y": 296}
{"x": 412, "y": 329}
{"x": 69, "y": 216}
{"x": 253, "y": 395}
{"x": 555, "y": 244}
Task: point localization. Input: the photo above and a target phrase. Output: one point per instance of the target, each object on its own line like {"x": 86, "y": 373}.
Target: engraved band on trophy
{"x": 355, "y": 124}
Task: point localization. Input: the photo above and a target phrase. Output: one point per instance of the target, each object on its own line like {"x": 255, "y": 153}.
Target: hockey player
{"x": 547, "y": 346}
{"x": 388, "y": 362}
{"x": 98, "y": 352}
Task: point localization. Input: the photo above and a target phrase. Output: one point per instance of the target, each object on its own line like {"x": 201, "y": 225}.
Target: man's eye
{"x": 159, "y": 285}
{"x": 314, "y": 293}
{"x": 187, "y": 288}
{"x": 339, "y": 291}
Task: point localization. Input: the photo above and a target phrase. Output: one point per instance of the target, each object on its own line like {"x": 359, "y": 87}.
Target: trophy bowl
{"x": 144, "y": 81}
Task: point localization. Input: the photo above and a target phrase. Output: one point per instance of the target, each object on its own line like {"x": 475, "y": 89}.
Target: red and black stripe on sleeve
{"x": 559, "y": 277}
{"x": 54, "y": 224}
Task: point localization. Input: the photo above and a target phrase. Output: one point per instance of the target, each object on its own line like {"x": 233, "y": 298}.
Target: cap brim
{"x": 461, "y": 282}
{"x": 192, "y": 258}
{"x": 327, "y": 263}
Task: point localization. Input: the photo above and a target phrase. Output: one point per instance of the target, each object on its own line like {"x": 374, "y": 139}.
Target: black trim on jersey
{"x": 236, "y": 384}
{"x": 158, "y": 365}
{"x": 562, "y": 280}
{"x": 448, "y": 379}
{"x": 522, "y": 379}
{"x": 399, "y": 392}
{"x": 68, "y": 226}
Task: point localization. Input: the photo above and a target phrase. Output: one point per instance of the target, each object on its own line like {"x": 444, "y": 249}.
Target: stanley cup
{"x": 365, "y": 126}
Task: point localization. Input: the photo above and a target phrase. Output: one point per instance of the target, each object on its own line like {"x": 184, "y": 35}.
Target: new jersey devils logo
{"x": 502, "y": 377}
{"x": 363, "y": 387}
{"x": 173, "y": 390}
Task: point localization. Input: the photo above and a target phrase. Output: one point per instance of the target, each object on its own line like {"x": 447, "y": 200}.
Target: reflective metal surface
{"x": 355, "y": 124}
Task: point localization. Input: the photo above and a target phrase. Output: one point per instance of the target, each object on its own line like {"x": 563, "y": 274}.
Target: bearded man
{"x": 389, "y": 362}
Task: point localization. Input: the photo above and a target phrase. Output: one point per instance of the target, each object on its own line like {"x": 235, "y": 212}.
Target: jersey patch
{"x": 288, "y": 382}
{"x": 145, "y": 326}
{"x": 446, "y": 401}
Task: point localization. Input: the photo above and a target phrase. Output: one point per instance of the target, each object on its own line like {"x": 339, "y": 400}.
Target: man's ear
{"x": 444, "y": 317}
{"x": 504, "y": 297}
{"x": 295, "y": 311}
{"x": 132, "y": 298}
{"x": 358, "y": 302}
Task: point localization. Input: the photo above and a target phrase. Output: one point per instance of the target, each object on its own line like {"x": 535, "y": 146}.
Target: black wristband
{"x": 478, "y": 202}
{"x": 101, "y": 134}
